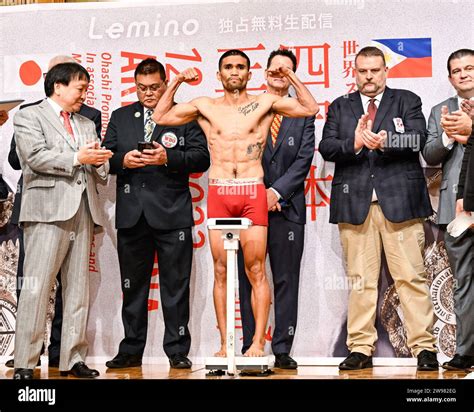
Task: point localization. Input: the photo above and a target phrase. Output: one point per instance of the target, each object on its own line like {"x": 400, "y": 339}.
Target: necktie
{"x": 67, "y": 123}
{"x": 275, "y": 128}
{"x": 372, "y": 110}
{"x": 149, "y": 126}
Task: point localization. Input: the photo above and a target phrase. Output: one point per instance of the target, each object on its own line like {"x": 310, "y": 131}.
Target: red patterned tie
{"x": 67, "y": 123}
{"x": 275, "y": 127}
{"x": 372, "y": 110}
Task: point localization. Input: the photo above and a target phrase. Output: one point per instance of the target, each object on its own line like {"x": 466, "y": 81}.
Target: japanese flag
{"x": 24, "y": 73}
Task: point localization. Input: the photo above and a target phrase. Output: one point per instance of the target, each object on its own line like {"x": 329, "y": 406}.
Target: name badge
{"x": 399, "y": 126}
{"x": 169, "y": 140}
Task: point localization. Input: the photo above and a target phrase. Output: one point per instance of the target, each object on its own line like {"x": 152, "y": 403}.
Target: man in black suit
{"x": 55, "y": 337}
{"x": 464, "y": 302}
{"x": 154, "y": 215}
{"x": 449, "y": 129}
{"x": 379, "y": 199}
{"x": 286, "y": 161}
{"x": 465, "y": 195}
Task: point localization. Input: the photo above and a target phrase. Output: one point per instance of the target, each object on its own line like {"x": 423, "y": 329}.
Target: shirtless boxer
{"x": 236, "y": 126}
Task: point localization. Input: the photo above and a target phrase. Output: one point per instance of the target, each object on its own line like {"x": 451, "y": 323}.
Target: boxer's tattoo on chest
{"x": 254, "y": 151}
{"x": 248, "y": 108}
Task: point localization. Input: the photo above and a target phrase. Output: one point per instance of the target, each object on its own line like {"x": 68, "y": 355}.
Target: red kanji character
{"x": 349, "y": 69}
{"x": 313, "y": 188}
{"x": 310, "y": 55}
{"x": 349, "y": 47}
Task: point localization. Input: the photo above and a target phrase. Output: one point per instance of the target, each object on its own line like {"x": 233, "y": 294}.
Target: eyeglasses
{"x": 153, "y": 88}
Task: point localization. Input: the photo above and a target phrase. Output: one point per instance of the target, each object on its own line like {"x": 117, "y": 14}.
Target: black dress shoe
{"x": 427, "y": 361}
{"x": 22, "y": 373}
{"x": 53, "y": 363}
{"x": 285, "y": 361}
{"x": 355, "y": 361}
{"x": 81, "y": 370}
{"x": 124, "y": 360}
{"x": 459, "y": 362}
{"x": 10, "y": 363}
{"x": 180, "y": 361}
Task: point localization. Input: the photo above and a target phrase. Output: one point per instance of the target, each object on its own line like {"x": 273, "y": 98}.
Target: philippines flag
{"x": 407, "y": 57}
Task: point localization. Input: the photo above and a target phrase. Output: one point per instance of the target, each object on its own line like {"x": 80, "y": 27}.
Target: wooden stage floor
{"x": 156, "y": 371}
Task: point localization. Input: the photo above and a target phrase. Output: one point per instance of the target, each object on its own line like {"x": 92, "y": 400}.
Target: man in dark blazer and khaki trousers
{"x": 286, "y": 161}
{"x": 153, "y": 215}
{"x": 379, "y": 199}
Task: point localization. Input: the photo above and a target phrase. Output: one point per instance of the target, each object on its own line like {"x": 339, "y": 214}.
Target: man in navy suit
{"x": 379, "y": 199}
{"x": 287, "y": 158}
{"x": 55, "y": 337}
{"x": 153, "y": 215}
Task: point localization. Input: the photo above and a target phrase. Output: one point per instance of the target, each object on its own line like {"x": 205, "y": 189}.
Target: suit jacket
{"x": 395, "y": 172}
{"x": 52, "y": 185}
{"x": 161, "y": 193}
{"x": 287, "y": 164}
{"x": 435, "y": 153}
{"x": 466, "y": 176}
{"x": 86, "y": 111}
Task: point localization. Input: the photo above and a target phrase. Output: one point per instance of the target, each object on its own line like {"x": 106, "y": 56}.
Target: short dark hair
{"x": 234, "y": 52}
{"x": 371, "y": 51}
{"x": 63, "y": 73}
{"x": 150, "y": 66}
{"x": 283, "y": 52}
{"x": 457, "y": 55}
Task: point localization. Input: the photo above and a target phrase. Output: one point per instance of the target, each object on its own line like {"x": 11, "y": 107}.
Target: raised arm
{"x": 303, "y": 105}
{"x": 170, "y": 114}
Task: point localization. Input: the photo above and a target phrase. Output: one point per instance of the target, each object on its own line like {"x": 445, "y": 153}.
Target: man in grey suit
{"x": 56, "y": 324}
{"x": 61, "y": 161}
{"x": 449, "y": 129}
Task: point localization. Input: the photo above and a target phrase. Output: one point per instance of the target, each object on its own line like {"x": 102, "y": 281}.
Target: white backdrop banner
{"x": 111, "y": 39}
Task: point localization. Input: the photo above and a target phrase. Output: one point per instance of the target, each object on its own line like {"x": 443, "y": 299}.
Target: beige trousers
{"x": 403, "y": 246}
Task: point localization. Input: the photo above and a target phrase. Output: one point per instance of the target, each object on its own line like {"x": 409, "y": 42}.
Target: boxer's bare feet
{"x": 222, "y": 353}
{"x": 255, "y": 350}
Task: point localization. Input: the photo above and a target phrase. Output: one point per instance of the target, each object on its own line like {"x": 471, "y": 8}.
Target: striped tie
{"x": 275, "y": 128}
{"x": 149, "y": 125}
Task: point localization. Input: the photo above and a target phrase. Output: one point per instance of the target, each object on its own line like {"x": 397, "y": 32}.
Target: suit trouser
{"x": 136, "y": 252}
{"x": 461, "y": 258}
{"x": 50, "y": 247}
{"x": 55, "y": 337}
{"x": 285, "y": 250}
{"x": 403, "y": 245}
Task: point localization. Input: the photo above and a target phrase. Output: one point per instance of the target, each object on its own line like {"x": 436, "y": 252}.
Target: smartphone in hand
{"x": 145, "y": 145}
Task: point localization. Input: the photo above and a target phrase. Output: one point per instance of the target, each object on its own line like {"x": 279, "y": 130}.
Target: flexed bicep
{"x": 291, "y": 107}
{"x": 179, "y": 114}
